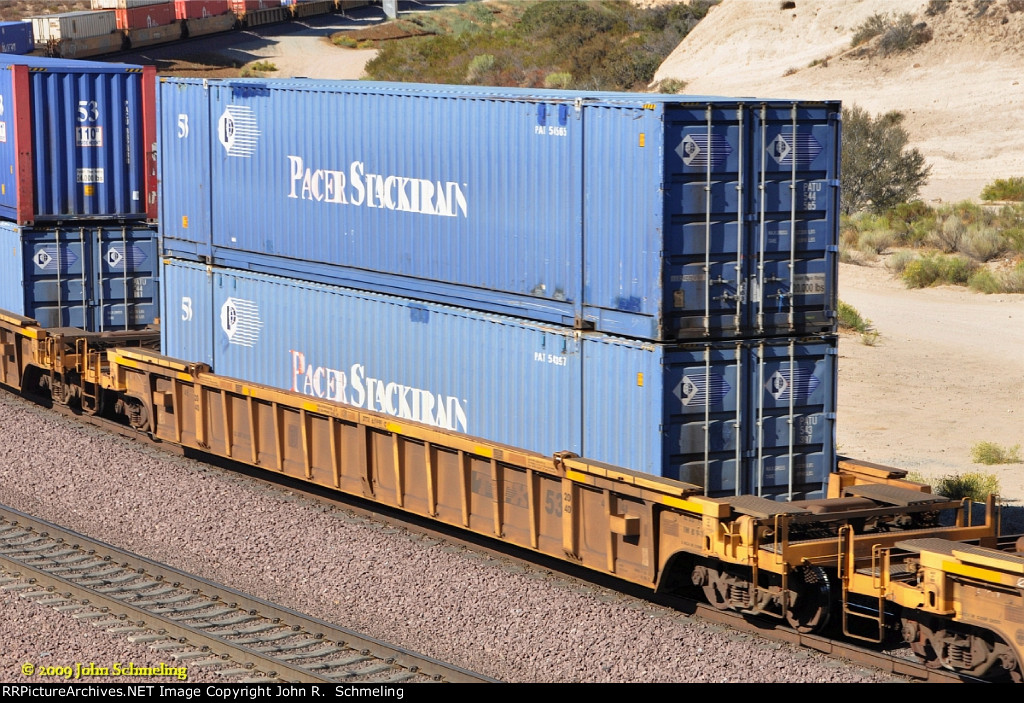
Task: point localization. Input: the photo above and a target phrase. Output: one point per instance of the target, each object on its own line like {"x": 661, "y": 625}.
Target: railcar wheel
{"x": 810, "y": 600}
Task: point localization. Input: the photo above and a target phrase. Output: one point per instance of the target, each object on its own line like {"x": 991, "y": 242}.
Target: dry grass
{"x": 11, "y": 10}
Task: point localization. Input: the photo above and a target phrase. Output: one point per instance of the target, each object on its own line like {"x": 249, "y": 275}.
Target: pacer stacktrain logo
{"x": 799, "y": 384}
{"x": 237, "y": 131}
{"x": 240, "y": 320}
{"x": 52, "y": 258}
{"x": 360, "y": 390}
{"x": 784, "y": 148}
{"x": 703, "y": 388}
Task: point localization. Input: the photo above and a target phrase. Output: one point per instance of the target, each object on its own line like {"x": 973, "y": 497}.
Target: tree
{"x": 878, "y": 171}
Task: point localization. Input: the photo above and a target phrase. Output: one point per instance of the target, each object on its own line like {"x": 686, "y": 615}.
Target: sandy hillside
{"x": 948, "y": 368}
{"x": 962, "y": 92}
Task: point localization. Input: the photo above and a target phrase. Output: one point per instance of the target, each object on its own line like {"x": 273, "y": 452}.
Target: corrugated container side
{"x": 124, "y": 4}
{"x": 16, "y": 37}
{"x": 93, "y": 278}
{"x": 73, "y": 25}
{"x": 74, "y": 140}
{"x": 147, "y": 16}
{"x": 511, "y": 381}
{"x": 200, "y": 9}
{"x": 478, "y": 206}
{"x": 186, "y": 131}
{"x": 663, "y": 220}
{"x": 689, "y": 412}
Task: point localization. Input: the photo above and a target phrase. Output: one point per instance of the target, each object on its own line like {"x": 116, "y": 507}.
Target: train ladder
{"x": 880, "y": 565}
{"x": 83, "y": 365}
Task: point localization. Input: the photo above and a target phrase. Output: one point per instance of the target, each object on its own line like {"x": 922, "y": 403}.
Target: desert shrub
{"x": 1000, "y": 281}
{"x": 898, "y": 261}
{"x": 1015, "y": 5}
{"x": 981, "y": 7}
{"x": 878, "y": 170}
{"x": 849, "y": 318}
{"x": 673, "y": 86}
{"x": 895, "y": 33}
{"x": 911, "y": 222}
{"x": 257, "y": 69}
{"x": 976, "y": 486}
{"x": 903, "y": 35}
{"x": 1004, "y": 188}
{"x": 558, "y": 80}
{"x": 600, "y": 45}
{"x": 479, "y": 65}
{"x": 935, "y": 269}
{"x": 991, "y": 453}
{"x": 948, "y": 235}
{"x": 344, "y": 42}
{"x": 870, "y": 28}
{"x": 877, "y": 241}
{"x": 982, "y": 243}
{"x": 936, "y": 7}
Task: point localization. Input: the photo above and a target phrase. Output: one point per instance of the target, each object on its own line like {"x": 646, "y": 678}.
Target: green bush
{"x": 935, "y": 269}
{"x": 1004, "y": 189}
{"x": 991, "y": 453}
{"x": 600, "y": 45}
{"x": 479, "y": 65}
{"x": 896, "y": 33}
{"x": 1001, "y": 281}
{"x": 976, "y": 486}
{"x": 870, "y": 28}
{"x": 878, "y": 170}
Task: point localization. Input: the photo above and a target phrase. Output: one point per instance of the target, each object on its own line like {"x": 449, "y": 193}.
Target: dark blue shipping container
{"x": 748, "y": 416}
{"x": 76, "y": 140}
{"x": 650, "y": 216}
{"x": 97, "y": 278}
{"x": 16, "y": 37}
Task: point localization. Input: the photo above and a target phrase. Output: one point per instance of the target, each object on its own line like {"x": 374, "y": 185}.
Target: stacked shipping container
{"x": 663, "y": 259}
{"x": 77, "y": 188}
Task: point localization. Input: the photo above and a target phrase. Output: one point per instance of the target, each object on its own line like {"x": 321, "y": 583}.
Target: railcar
{"x": 874, "y": 557}
{"x": 242, "y": 15}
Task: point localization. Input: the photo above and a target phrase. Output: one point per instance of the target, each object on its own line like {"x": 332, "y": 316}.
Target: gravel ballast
{"x": 429, "y": 596}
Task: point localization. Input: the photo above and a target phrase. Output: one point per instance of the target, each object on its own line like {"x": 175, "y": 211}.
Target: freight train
{"x": 140, "y": 24}
{"x": 741, "y": 497}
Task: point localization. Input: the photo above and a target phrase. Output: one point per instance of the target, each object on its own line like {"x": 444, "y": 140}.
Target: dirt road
{"x": 946, "y": 372}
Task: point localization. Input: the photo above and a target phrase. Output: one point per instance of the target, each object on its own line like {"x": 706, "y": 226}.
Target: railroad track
{"x": 195, "y": 621}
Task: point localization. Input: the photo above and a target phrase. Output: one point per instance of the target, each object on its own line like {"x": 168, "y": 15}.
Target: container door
{"x": 125, "y": 290}
{"x": 706, "y": 198}
{"x": 793, "y": 242}
{"x": 57, "y": 277}
{"x": 792, "y": 402}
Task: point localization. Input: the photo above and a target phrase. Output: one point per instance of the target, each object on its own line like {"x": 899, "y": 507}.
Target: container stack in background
{"x": 645, "y": 280}
{"x": 78, "y": 193}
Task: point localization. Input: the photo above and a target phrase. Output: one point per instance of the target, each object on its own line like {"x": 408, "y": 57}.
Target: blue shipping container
{"x": 76, "y": 140}
{"x": 96, "y": 278}
{"x": 650, "y": 216}
{"x": 639, "y": 405}
{"x": 16, "y": 37}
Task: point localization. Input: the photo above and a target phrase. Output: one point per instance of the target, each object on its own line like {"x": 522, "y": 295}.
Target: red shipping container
{"x": 243, "y": 6}
{"x": 198, "y": 9}
{"x": 147, "y": 16}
